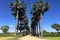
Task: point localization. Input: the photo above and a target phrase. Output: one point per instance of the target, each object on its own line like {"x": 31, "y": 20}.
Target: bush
{"x": 6, "y": 35}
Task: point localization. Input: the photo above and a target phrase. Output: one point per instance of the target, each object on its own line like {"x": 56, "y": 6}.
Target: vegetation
{"x": 7, "y": 35}
{"x": 56, "y": 26}
{"x": 53, "y": 38}
{"x": 19, "y": 12}
{"x": 38, "y": 9}
{"x": 5, "y": 28}
{"x": 51, "y": 34}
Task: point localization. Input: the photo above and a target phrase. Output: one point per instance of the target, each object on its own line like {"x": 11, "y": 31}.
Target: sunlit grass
{"x": 54, "y": 38}
{"x": 14, "y": 38}
{"x": 6, "y": 38}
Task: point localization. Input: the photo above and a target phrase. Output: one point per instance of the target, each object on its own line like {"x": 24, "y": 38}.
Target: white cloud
{"x": 11, "y": 30}
{"x": 10, "y": 26}
{"x": 1, "y": 31}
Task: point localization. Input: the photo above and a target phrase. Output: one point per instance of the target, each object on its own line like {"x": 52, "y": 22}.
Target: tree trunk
{"x": 40, "y": 25}
{"x": 17, "y": 26}
{"x": 39, "y": 28}
{"x": 33, "y": 31}
{"x": 57, "y": 31}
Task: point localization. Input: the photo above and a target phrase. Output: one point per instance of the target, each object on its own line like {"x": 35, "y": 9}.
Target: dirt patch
{"x": 29, "y": 37}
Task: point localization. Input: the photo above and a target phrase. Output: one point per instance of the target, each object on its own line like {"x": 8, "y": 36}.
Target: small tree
{"x": 56, "y": 26}
{"x": 5, "y": 28}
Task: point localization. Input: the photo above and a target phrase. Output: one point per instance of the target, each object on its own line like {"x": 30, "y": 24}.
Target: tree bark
{"x": 40, "y": 26}
{"x": 33, "y": 31}
{"x": 17, "y": 26}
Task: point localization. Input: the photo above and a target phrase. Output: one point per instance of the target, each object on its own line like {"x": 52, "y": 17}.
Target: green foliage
{"x": 5, "y": 28}
{"x": 51, "y": 34}
{"x": 11, "y": 39}
{"x": 7, "y": 35}
{"x": 53, "y": 38}
{"x": 22, "y": 18}
{"x": 56, "y": 26}
{"x": 38, "y": 9}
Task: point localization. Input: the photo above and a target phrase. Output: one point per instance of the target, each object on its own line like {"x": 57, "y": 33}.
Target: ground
{"x": 54, "y": 38}
{"x": 29, "y": 37}
{"x": 5, "y": 38}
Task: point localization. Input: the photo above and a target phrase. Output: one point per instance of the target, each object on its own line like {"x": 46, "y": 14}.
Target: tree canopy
{"x": 5, "y": 28}
{"x": 56, "y": 26}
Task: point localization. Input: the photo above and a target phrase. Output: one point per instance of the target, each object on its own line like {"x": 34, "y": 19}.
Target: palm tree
{"x": 5, "y": 28}
{"x": 19, "y": 12}
{"x": 38, "y": 10}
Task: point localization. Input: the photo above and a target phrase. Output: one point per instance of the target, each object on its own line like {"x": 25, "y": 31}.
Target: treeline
{"x": 6, "y": 35}
{"x": 46, "y": 34}
{"x": 51, "y": 34}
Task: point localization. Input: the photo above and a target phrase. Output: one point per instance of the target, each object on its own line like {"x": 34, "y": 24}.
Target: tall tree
{"x": 38, "y": 10}
{"x": 5, "y": 28}
{"x": 19, "y": 12}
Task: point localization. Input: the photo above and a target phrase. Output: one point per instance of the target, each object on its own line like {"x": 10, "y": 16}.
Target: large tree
{"x": 19, "y": 12}
{"x": 5, "y": 28}
{"x": 56, "y": 27}
{"x": 38, "y": 10}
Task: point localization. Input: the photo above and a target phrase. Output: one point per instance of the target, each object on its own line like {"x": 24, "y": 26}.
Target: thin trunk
{"x": 17, "y": 26}
{"x": 40, "y": 26}
{"x": 37, "y": 29}
{"x": 57, "y": 31}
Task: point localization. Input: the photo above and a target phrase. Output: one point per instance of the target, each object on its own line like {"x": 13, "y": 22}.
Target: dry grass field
{"x": 28, "y": 37}
{"x": 5, "y": 38}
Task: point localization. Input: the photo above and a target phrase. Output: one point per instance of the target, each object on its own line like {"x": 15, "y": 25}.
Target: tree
{"x": 56, "y": 26}
{"x": 38, "y": 10}
{"x": 5, "y": 28}
{"x": 18, "y": 9}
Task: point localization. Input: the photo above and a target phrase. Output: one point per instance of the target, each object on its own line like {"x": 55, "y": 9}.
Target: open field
{"x": 54, "y": 38}
{"x": 6, "y": 38}
{"x": 28, "y": 37}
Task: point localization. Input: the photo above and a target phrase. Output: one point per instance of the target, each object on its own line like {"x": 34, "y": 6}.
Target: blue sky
{"x": 50, "y": 17}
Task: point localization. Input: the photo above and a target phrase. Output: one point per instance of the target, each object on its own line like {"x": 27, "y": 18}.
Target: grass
{"x": 13, "y": 38}
{"x": 8, "y": 38}
{"x": 54, "y": 38}
{"x": 5, "y": 38}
